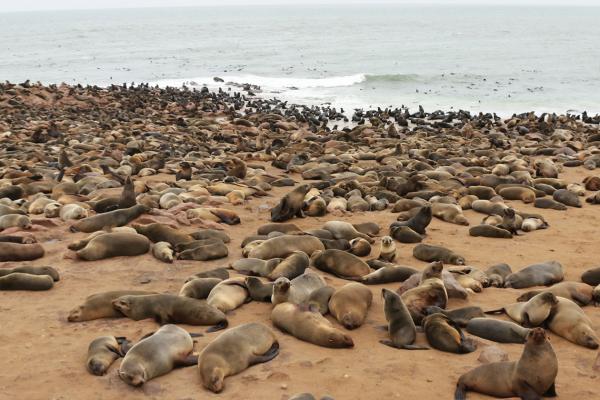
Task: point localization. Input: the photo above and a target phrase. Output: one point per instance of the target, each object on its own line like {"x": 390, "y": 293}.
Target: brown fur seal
{"x": 340, "y": 263}
{"x": 15, "y": 221}
{"x": 114, "y": 245}
{"x": 345, "y": 230}
{"x": 255, "y": 266}
{"x": 99, "y": 305}
{"x": 531, "y": 313}
{"x": 350, "y": 304}
{"x": 497, "y": 273}
{"x": 580, "y": 293}
{"x": 103, "y": 351}
{"x": 168, "y": 308}
{"x": 205, "y": 234}
{"x": 548, "y": 203}
{"x": 459, "y": 315}
{"x": 17, "y": 239}
{"x": 283, "y": 246}
{"x": 199, "y": 288}
{"x": 445, "y": 335}
{"x": 319, "y": 299}
{"x": 234, "y": 351}
{"x": 497, "y": 330}
{"x": 220, "y": 273}
{"x": 28, "y": 269}
{"x": 401, "y": 326}
{"x": 591, "y": 276}
{"x": 388, "y": 274}
{"x": 531, "y": 377}
{"x": 360, "y": 247}
{"x": 298, "y": 290}
{"x": 283, "y": 228}
{"x": 157, "y": 355}
{"x": 21, "y": 281}
{"x": 228, "y": 295}
{"x": 259, "y": 291}
{"x": 524, "y": 194}
{"x": 450, "y": 213}
{"x": 543, "y": 274}
{"x": 418, "y": 223}
{"x": 212, "y": 251}
{"x": 310, "y": 326}
{"x": 569, "y": 321}
{"x": 368, "y": 228}
{"x": 430, "y": 292}
{"x": 567, "y": 198}
{"x": 429, "y": 253}
{"x": 109, "y": 219}
{"x": 20, "y": 252}
{"x": 163, "y": 233}
{"x": 490, "y": 231}
{"x": 292, "y": 266}
{"x": 290, "y": 205}
{"x": 387, "y": 251}
{"x": 404, "y": 234}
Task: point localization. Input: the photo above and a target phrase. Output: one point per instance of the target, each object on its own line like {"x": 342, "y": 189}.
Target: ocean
{"x": 478, "y": 58}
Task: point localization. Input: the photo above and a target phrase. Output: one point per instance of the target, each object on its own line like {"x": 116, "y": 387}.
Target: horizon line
{"x": 352, "y": 3}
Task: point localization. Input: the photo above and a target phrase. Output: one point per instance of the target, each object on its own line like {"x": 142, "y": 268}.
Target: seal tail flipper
{"x": 414, "y": 347}
{"x": 496, "y": 312}
{"x": 221, "y": 325}
{"x": 188, "y": 361}
{"x": 461, "y": 391}
{"x": 268, "y": 356}
{"x": 551, "y": 392}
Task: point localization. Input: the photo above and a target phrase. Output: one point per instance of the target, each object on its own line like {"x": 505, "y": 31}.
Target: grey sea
{"x": 477, "y": 58}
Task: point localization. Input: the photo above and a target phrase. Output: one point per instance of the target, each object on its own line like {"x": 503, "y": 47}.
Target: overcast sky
{"x": 27, "y": 5}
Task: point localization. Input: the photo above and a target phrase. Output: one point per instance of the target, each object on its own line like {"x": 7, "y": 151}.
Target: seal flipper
{"x": 551, "y": 392}
{"x": 496, "y": 311}
{"x": 404, "y": 347}
{"x": 221, "y": 325}
{"x": 461, "y": 391}
{"x": 189, "y": 361}
{"x": 526, "y": 392}
{"x": 268, "y": 356}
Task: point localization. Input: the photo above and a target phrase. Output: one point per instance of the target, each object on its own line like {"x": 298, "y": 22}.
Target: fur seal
{"x": 292, "y": 266}
{"x": 22, "y": 281}
{"x": 430, "y": 292}
{"x": 285, "y": 228}
{"x": 212, "y": 251}
{"x": 205, "y": 234}
{"x": 489, "y": 231}
{"x": 283, "y": 246}
{"x": 228, "y": 295}
{"x": 199, "y": 288}
{"x": 350, "y": 304}
{"x": 109, "y": 219}
{"x": 234, "y": 351}
{"x": 461, "y": 316}
{"x": 255, "y": 266}
{"x": 548, "y": 203}
{"x": 524, "y": 194}
{"x": 319, "y": 299}
{"x": 114, "y": 245}
{"x": 444, "y": 334}
{"x": 163, "y": 233}
{"x": 290, "y": 205}
{"x": 168, "y": 308}
{"x": 497, "y": 273}
{"x": 157, "y": 355}
{"x": 340, "y": 263}
{"x": 401, "y": 327}
{"x": 418, "y": 223}
{"x": 449, "y": 213}
{"x": 543, "y": 274}
{"x": 163, "y": 251}
{"x": 17, "y": 239}
{"x": 591, "y": 276}
{"x": 15, "y": 221}
{"x": 360, "y": 247}
{"x": 28, "y": 269}
{"x": 497, "y": 330}
{"x": 308, "y": 325}
{"x": 531, "y": 313}
{"x": 531, "y": 377}
{"x": 345, "y": 230}
{"x": 99, "y": 305}
{"x": 298, "y": 290}
{"x": 580, "y": 293}
{"x": 103, "y": 351}
{"x": 220, "y": 273}
{"x": 259, "y": 291}
{"x": 388, "y": 274}
{"x": 404, "y": 234}
{"x": 569, "y": 321}
{"x": 567, "y": 198}
{"x": 387, "y": 251}
{"x": 10, "y": 251}
{"x": 429, "y": 253}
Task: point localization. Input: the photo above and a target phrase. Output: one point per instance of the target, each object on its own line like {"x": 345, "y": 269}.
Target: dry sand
{"x": 43, "y": 356}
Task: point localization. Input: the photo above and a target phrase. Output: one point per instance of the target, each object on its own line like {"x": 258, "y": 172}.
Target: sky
{"x": 31, "y": 5}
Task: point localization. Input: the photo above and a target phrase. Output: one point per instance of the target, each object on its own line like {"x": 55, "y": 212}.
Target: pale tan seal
{"x": 103, "y": 351}
{"x": 350, "y": 304}
{"x": 283, "y": 246}
{"x": 228, "y": 295}
{"x": 569, "y": 321}
{"x": 163, "y": 251}
{"x": 110, "y": 219}
{"x": 157, "y": 355}
{"x": 99, "y": 305}
{"x": 114, "y": 245}
{"x": 308, "y": 325}
{"x": 387, "y": 251}
{"x": 340, "y": 263}
{"x": 345, "y": 230}
{"x": 234, "y": 351}
{"x": 401, "y": 326}
{"x": 291, "y": 267}
{"x": 29, "y": 269}
{"x": 21, "y": 281}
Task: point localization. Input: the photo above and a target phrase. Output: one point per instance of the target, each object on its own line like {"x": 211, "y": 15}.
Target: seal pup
{"x": 319, "y": 299}
{"x": 234, "y": 351}
{"x": 430, "y": 292}
{"x": 497, "y": 273}
{"x": 401, "y": 327}
{"x": 360, "y": 247}
{"x": 228, "y": 295}
{"x": 417, "y": 223}
{"x": 199, "y": 288}
{"x": 387, "y": 251}
{"x": 429, "y": 253}
{"x": 259, "y": 291}
{"x": 444, "y": 334}
{"x": 298, "y": 290}
{"x": 163, "y": 251}
{"x": 345, "y": 230}
{"x": 290, "y": 205}
{"x": 157, "y": 355}
{"x": 531, "y": 377}
{"x": 497, "y": 330}
{"x": 291, "y": 267}
{"x": 350, "y": 303}
{"x": 307, "y": 324}
{"x": 103, "y": 351}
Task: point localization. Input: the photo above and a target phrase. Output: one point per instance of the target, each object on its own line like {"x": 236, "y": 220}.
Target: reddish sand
{"x": 43, "y": 355}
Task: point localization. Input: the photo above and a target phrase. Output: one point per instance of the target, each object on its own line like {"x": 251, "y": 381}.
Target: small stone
{"x": 283, "y": 386}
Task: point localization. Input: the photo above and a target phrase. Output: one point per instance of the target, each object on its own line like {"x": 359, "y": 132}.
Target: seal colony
{"x": 191, "y": 211}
